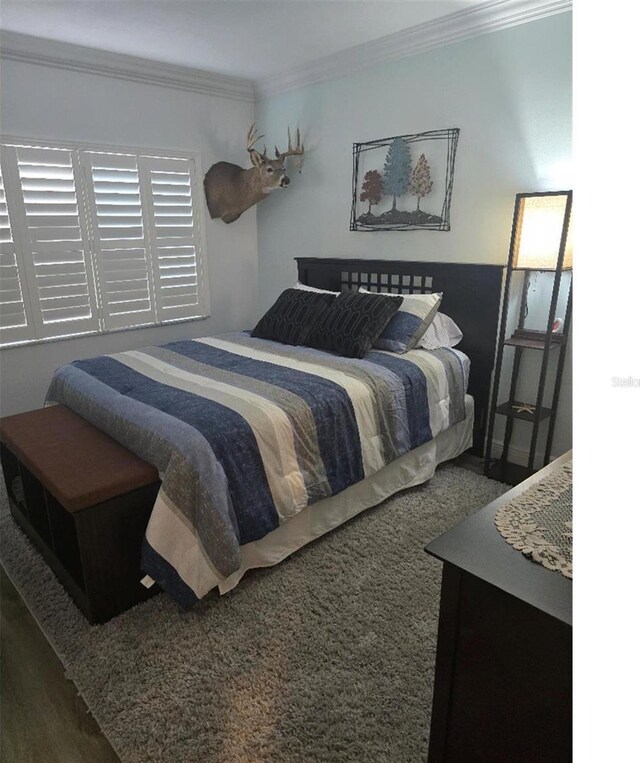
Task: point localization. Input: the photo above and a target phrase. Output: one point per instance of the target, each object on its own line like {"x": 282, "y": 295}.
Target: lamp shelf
{"x": 534, "y": 340}
{"x": 511, "y": 410}
{"x": 540, "y": 241}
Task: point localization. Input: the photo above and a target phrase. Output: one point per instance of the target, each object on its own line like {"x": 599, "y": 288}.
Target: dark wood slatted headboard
{"x": 471, "y": 296}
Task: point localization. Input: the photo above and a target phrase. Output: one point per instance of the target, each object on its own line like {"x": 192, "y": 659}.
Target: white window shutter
{"x": 96, "y": 240}
{"x": 52, "y": 229}
{"x": 15, "y": 323}
{"x": 122, "y": 253}
{"x": 175, "y": 236}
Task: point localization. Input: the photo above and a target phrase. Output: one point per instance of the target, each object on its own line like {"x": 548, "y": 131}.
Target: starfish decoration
{"x": 524, "y": 408}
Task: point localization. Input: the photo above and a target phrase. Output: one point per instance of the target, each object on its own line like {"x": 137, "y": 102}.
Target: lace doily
{"x": 539, "y": 521}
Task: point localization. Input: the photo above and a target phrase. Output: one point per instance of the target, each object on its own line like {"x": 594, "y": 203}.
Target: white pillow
{"x": 304, "y": 287}
{"x": 442, "y": 332}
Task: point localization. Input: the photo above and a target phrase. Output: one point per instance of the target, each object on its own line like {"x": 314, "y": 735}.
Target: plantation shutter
{"x": 51, "y": 227}
{"x": 120, "y": 243}
{"x": 14, "y": 314}
{"x": 95, "y": 240}
{"x": 175, "y": 237}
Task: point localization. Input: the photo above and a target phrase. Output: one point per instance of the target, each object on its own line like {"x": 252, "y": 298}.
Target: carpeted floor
{"x": 327, "y": 657}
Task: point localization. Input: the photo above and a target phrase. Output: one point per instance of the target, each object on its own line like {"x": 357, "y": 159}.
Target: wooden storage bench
{"x": 84, "y": 501}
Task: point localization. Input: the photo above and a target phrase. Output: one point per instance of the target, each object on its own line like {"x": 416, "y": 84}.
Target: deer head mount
{"x": 230, "y": 190}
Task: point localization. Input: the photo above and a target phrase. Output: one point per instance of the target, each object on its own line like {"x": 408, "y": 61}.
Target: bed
{"x": 263, "y": 447}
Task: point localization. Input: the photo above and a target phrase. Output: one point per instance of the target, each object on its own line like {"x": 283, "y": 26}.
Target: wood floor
{"x": 44, "y": 720}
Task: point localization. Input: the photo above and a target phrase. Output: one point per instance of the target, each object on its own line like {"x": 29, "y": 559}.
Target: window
{"x": 94, "y": 240}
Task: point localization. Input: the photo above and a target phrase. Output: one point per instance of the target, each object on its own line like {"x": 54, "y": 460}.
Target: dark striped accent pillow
{"x": 353, "y": 323}
{"x": 290, "y": 319}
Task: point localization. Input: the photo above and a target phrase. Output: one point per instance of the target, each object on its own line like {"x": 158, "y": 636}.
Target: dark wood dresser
{"x": 502, "y": 690}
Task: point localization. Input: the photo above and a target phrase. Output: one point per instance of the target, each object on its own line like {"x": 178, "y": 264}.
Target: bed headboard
{"x": 471, "y": 296}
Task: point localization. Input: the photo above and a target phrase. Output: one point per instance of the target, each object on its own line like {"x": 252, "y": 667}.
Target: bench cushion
{"x": 77, "y": 463}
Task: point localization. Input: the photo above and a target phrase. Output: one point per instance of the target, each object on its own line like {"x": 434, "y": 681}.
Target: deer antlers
{"x": 252, "y": 139}
{"x": 298, "y": 151}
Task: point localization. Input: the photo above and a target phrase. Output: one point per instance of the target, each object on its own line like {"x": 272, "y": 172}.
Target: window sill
{"x": 82, "y": 335}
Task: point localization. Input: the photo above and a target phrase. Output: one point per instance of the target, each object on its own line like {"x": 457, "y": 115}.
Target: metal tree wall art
{"x": 230, "y": 190}
{"x": 421, "y": 183}
{"x": 372, "y": 188}
{"x": 397, "y": 170}
{"x": 408, "y": 179}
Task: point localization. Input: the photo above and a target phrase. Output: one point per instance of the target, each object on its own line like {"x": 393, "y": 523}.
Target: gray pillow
{"x": 408, "y": 325}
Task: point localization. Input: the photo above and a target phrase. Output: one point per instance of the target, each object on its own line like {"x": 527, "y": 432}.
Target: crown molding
{"x": 461, "y": 25}
{"x": 78, "y": 58}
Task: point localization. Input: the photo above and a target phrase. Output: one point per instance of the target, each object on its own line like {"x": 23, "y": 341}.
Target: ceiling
{"x": 255, "y": 39}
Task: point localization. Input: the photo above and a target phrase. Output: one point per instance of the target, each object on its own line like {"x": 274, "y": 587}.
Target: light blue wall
{"x": 57, "y": 104}
{"x": 509, "y": 92}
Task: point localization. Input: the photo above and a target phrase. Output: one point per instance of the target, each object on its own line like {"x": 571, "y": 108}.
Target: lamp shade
{"x": 540, "y": 220}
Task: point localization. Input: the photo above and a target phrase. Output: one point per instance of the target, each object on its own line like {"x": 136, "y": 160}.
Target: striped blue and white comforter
{"x": 246, "y": 433}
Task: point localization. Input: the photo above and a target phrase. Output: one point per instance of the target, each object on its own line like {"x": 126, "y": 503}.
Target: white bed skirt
{"x": 409, "y": 470}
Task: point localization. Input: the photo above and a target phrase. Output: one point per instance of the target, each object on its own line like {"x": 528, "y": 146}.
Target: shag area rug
{"x": 327, "y": 657}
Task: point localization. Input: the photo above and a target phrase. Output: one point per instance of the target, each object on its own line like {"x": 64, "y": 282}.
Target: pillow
{"x": 407, "y": 327}
{"x": 353, "y": 323}
{"x": 304, "y": 287}
{"x": 443, "y": 332}
{"x": 290, "y": 319}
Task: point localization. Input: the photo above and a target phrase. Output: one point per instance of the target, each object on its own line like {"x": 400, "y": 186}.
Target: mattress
{"x": 414, "y": 468}
{"x": 248, "y": 433}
